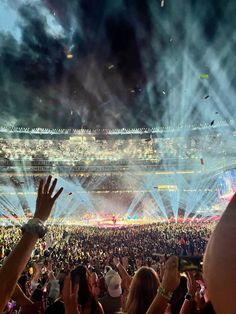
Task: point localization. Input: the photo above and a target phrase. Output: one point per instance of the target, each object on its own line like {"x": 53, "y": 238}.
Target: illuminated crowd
{"x": 92, "y": 148}
{"x": 143, "y": 241}
{"x": 66, "y": 247}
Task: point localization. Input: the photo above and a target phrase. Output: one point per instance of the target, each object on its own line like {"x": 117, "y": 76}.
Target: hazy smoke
{"x": 114, "y": 64}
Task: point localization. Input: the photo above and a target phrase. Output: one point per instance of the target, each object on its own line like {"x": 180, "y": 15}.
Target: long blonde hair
{"x": 143, "y": 290}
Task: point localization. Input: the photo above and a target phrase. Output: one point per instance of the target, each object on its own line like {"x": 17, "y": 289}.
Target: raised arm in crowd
{"x": 97, "y": 270}
{"x": 17, "y": 260}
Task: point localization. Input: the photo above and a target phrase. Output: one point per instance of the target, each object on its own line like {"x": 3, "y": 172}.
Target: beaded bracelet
{"x": 164, "y": 293}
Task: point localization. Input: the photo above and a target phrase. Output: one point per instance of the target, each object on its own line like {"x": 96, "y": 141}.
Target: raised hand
{"x": 45, "y": 201}
{"x": 116, "y": 260}
{"x": 191, "y": 284}
{"x": 70, "y": 296}
{"x": 162, "y": 258}
{"x": 125, "y": 262}
{"x": 49, "y": 264}
{"x": 138, "y": 263}
{"x": 37, "y": 268}
{"x": 171, "y": 277}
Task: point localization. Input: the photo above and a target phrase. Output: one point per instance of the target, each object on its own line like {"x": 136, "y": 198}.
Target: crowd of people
{"x": 111, "y": 149}
{"x": 95, "y": 246}
{"x": 77, "y": 148}
{"x": 132, "y": 270}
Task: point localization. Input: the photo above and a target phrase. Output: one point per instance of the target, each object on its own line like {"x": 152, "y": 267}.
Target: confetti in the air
{"x": 111, "y": 66}
{"x": 212, "y": 122}
{"x": 162, "y": 3}
{"x": 69, "y": 55}
{"x": 204, "y": 76}
{"x": 206, "y": 97}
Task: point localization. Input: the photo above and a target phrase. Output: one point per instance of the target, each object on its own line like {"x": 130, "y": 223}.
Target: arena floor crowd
{"x": 155, "y": 268}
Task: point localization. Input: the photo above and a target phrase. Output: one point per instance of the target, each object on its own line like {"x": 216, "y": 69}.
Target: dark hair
{"x": 208, "y": 309}
{"x": 22, "y": 282}
{"x": 37, "y": 295}
{"x": 178, "y": 296}
{"x": 80, "y": 275}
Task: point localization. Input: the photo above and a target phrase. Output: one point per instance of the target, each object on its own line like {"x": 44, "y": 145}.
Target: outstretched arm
{"x": 16, "y": 261}
{"x": 219, "y": 262}
{"x": 170, "y": 282}
{"x": 20, "y": 298}
{"x": 126, "y": 279}
{"x": 188, "y": 306}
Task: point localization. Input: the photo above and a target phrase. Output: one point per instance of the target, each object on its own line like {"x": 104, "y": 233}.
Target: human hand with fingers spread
{"x": 32, "y": 231}
{"x": 45, "y": 200}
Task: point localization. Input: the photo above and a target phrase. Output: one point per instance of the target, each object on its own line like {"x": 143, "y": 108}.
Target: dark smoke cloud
{"x": 103, "y": 85}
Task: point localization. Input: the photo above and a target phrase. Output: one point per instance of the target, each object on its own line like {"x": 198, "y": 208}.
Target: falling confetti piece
{"x": 204, "y": 76}
{"x": 111, "y": 67}
{"x": 148, "y": 139}
{"x": 212, "y": 122}
{"x": 217, "y": 112}
{"x": 132, "y": 91}
{"x": 206, "y": 97}
{"x": 69, "y": 56}
{"x": 70, "y": 193}
{"x": 162, "y": 3}
{"x": 202, "y": 161}
{"x": 163, "y": 92}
